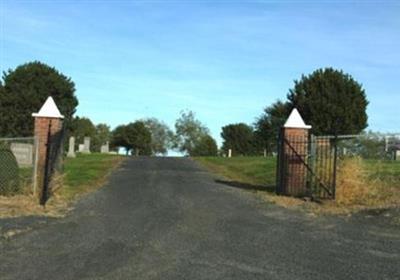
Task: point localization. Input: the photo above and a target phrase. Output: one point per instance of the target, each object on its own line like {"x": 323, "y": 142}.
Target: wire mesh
{"x": 18, "y": 165}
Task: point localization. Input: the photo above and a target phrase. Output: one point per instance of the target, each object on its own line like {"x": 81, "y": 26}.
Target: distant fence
{"x": 18, "y": 165}
{"x": 370, "y": 146}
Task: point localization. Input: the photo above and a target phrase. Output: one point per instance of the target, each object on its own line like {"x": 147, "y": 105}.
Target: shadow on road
{"x": 246, "y": 186}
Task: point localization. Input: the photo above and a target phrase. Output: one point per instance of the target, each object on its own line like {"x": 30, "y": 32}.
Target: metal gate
{"x": 307, "y": 166}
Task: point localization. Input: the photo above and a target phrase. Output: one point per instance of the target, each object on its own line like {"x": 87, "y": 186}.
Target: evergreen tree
{"x": 331, "y": 101}
{"x": 24, "y": 91}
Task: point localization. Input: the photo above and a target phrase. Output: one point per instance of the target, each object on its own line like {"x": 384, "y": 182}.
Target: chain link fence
{"x": 371, "y": 146}
{"x": 18, "y": 165}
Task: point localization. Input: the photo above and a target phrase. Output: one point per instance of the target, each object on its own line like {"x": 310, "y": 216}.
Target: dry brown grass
{"x": 356, "y": 190}
{"x": 28, "y": 205}
{"x": 355, "y": 187}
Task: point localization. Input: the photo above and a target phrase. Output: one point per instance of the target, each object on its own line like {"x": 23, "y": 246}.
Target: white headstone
{"x": 398, "y": 155}
{"x": 229, "y": 153}
{"x": 105, "y": 149}
{"x": 86, "y": 145}
{"x": 71, "y": 147}
{"x": 81, "y": 147}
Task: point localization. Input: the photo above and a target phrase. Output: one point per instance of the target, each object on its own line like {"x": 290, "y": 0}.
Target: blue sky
{"x": 224, "y": 60}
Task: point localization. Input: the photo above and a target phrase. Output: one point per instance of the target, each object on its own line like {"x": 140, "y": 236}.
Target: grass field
{"x": 388, "y": 170}
{"x": 365, "y": 183}
{"x": 251, "y": 170}
{"x": 82, "y": 174}
{"x": 86, "y": 172}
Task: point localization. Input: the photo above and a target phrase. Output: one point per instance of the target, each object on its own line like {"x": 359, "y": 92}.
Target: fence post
{"x": 294, "y": 136}
{"x": 48, "y": 122}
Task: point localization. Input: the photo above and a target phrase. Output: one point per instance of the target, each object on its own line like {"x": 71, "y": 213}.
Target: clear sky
{"x": 225, "y": 60}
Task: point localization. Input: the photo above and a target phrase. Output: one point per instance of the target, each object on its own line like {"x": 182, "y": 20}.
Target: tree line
{"x": 328, "y": 99}
{"x": 148, "y": 136}
{"x": 25, "y": 89}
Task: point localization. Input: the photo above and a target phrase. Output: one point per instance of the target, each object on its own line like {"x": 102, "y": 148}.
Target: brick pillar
{"x": 296, "y": 176}
{"x": 47, "y": 120}
{"x": 294, "y": 154}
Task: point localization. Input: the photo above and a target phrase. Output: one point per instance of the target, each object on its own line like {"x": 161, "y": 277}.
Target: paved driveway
{"x": 165, "y": 218}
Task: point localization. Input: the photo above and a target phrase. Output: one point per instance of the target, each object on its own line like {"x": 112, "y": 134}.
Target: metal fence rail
{"x": 18, "y": 165}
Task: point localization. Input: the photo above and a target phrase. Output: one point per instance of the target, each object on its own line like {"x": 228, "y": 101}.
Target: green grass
{"x": 250, "y": 170}
{"x": 26, "y": 179}
{"x": 86, "y": 172}
{"x": 374, "y": 183}
{"x": 387, "y": 171}
{"x": 262, "y": 171}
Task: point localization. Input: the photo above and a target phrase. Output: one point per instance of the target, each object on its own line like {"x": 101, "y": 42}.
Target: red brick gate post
{"x": 48, "y": 122}
{"x": 295, "y": 136}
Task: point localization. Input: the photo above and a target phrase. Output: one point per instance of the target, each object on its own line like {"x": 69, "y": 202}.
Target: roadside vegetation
{"x": 361, "y": 184}
{"x": 83, "y": 174}
{"x": 250, "y": 170}
{"x": 86, "y": 173}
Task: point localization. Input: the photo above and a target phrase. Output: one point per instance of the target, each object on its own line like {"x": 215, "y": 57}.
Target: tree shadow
{"x": 246, "y": 186}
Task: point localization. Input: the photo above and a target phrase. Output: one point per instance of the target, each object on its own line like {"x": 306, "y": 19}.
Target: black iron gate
{"x": 307, "y": 166}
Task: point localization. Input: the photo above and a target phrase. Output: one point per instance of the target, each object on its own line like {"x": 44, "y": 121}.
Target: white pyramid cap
{"x": 296, "y": 121}
{"x": 49, "y": 110}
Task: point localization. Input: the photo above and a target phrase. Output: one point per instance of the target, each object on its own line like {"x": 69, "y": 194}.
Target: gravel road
{"x": 166, "y": 218}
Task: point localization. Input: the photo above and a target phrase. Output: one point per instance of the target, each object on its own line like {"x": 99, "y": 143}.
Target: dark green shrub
{"x": 9, "y": 177}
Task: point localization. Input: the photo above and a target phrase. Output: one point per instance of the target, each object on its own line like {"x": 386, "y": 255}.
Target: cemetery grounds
{"x": 80, "y": 175}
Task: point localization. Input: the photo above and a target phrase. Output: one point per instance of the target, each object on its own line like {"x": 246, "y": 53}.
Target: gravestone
{"x": 86, "y": 145}
{"x": 71, "y": 148}
{"x": 81, "y": 147}
{"x": 398, "y": 155}
{"x": 229, "y": 153}
{"x": 105, "y": 149}
{"x": 23, "y": 153}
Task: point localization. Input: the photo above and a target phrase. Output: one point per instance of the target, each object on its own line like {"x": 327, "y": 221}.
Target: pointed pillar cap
{"x": 296, "y": 121}
{"x": 49, "y": 110}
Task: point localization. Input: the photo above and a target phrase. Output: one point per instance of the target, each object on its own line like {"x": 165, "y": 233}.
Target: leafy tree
{"x": 133, "y": 136}
{"x": 238, "y": 137}
{"x": 189, "y": 132}
{"x": 162, "y": 136}
{"x": 331, "y": 101}
{"x": 3, "y": 113}
{"x": 207, "y": 146}
{"x": 25, "y": 89}
{"x": 268, "y": 125}
{"x": 139, "y": 136}
{"x": 81, "y": 128}
{"x": 102, "y": 135}
{"x": 120, "y": 138}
